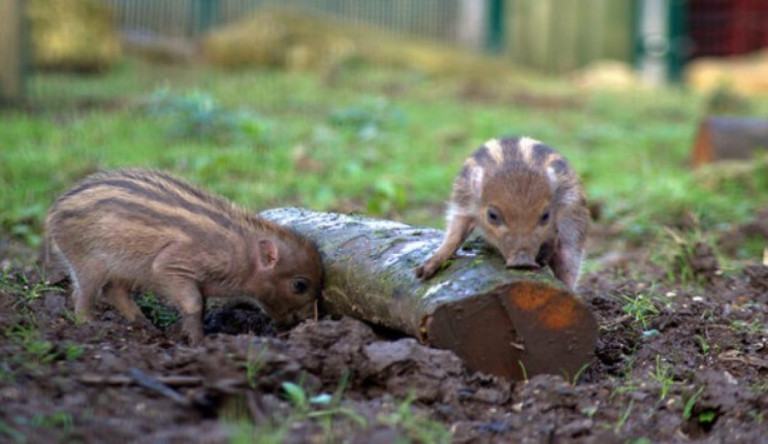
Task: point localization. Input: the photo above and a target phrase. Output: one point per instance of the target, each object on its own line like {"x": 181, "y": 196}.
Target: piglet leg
{"x": 566, "y": 262}
{"x": 459, "y": 228}
{"x": 88, "y": 276}
{"x": 119, "y": 293}
{"x": 175, "y": 278}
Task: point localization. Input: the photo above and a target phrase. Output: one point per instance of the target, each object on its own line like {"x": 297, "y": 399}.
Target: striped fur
{"x": 142, "y": 228}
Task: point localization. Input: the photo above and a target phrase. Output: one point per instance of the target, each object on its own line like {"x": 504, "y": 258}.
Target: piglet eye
{"x": 300, "y": 285}
{"x": 544, "y": 218}
{"x": 494, "y": 217}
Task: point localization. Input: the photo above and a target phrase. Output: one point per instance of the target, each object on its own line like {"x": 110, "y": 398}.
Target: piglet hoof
{"x": 142, "y": 323}
{"x": 192, "y": 328}
{"x": 426, "y": 270}
{"x": 193, "y": 338}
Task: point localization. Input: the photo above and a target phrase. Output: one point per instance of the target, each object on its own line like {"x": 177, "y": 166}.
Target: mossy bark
{"x": 504, "y": 322}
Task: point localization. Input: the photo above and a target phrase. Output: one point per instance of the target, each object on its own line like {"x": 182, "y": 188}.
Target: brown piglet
{"x": 144, "y": 229}
{"x": 526, "y": 201}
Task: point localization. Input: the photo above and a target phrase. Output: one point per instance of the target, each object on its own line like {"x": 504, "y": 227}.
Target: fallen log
{"x": 721, "y": 138}
{"x": 509, "y": 323}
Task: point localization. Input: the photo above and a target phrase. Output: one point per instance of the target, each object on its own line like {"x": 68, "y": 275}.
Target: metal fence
{"x": 435, "y": 19}
{"x": 552, "y": 35}
{"x": 556, "y": 35}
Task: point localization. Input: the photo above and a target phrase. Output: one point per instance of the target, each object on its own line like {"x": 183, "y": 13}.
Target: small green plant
{"x": 72, "y": 352}
{"x": 58, "y": 420}
{"x": 159, "y": 314}
{"x": 368, "y": 118}
{"x": 707, "y": 417}
{"x": 761, "y": 387}
{"x": 523, "y": 370}
{"x": 323, "y": 408}
{"x": 577, "y": 375}
{"x": 623, "y": 418}
{"x": 10, "y": 432}
{"x": 589, "y": 411}
{"x": 688, "y": 408}
{"x": 690, "y": 259}
{"x": 627, "y": 387}
{"x": 663, "y": 376}
{"x": 198, "y": 115}
{"x": 703, "y": 344}
{"x": 254, "y": 364}
{"x": 751, "y": 328}
{"x": 296, "y": 395}
{"x": 27, "y": 289}
{"x": 417, "y": 427}
{"x": 245, "y": 432}
{"x": 386, "y": 197}
{"x": 32, "y": 351}
{"x": 35, "y": 349}
{"x": 757, "y": 416}
{"x": 641, "y": 308}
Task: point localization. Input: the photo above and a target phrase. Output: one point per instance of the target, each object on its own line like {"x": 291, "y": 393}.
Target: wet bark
{"x": 505, "y": 322}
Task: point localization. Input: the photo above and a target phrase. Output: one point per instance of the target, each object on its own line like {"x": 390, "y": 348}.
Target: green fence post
{"x": 204, "y": 16}
{"x": 678, "y": 39}
{"x": 12, "y": 54}
{"x": 494, "y": 38}
{"x": 209, "y": 14}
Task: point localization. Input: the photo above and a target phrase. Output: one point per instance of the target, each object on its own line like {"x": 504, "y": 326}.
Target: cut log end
{"x": 729, "y": 138}
{"x": 525, "y": 328}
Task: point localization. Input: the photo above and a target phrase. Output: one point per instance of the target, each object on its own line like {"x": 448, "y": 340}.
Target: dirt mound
{"x": 672, "y": 362}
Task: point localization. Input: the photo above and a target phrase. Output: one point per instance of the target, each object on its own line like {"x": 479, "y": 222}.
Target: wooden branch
{"x": 156, "y": 386}
{"x": 171, "y": 380}
{"x": 721, "y": 138}
{"x": 504, "y": 322}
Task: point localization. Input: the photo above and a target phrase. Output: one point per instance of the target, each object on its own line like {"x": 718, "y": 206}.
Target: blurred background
{"x": 371, "y": 106}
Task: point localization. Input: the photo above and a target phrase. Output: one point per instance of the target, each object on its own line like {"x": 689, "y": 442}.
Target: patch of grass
{"x": 322, "y": 407}
{"x": 752, "y": 328}
{"x": 244, "y": 432}
{"x": 156, "y": 312}
{"x": 703, "y": 343}
{"x": 368, "y": 118}
{"x": 10, "y": 432}
{"x": 36, "y": 350}
{"x": 385, "y": 156}
{"x": 26, "y": 289}
{"x": 663, "y": 376}
{"x": 198, "y": 115}
{"x": 417, "y": 427}
{"x": 761, "y": 387}
{"x": 254, "y": 364}
{"x": 642, "y": 308}
{"x": 757, "y": 416}
{"x": 56, "y": 420}
{"x": 30, "y": 351}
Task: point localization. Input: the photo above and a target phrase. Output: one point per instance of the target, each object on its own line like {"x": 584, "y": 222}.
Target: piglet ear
{"x": 266, "y": 254}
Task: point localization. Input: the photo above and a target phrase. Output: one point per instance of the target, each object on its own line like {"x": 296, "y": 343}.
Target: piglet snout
{"x": 523, "y": 261}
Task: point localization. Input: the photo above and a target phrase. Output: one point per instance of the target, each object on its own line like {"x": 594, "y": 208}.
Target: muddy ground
{"x": 686, "y": 361}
